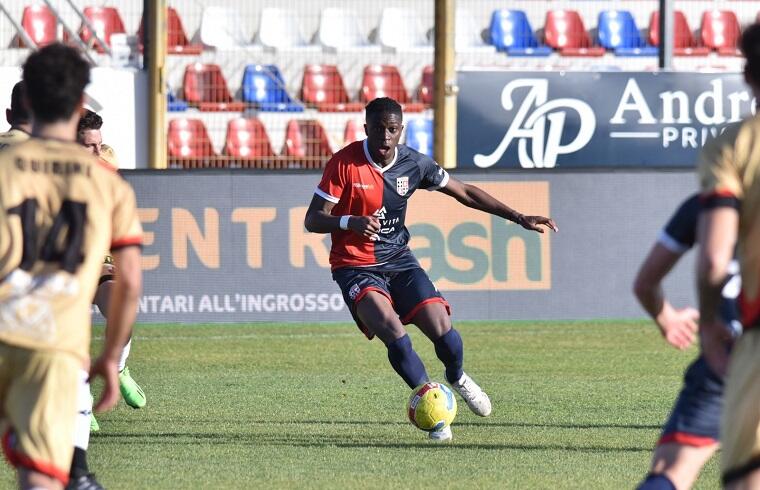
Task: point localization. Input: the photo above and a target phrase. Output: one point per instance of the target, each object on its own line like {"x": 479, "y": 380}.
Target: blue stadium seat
{"x": 419, "y": 135}
{"x": 617, "y": 31}
{"x": 264, "y": 87}
{"x": 176, "y": 105}
{"x": 510, "y": 31}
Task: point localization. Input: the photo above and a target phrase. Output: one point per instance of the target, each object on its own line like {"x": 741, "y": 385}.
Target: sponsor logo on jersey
{"x": 354, "y": 291}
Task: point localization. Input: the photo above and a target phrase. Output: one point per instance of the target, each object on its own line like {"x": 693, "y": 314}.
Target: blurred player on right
{"x": 730, "y": 181}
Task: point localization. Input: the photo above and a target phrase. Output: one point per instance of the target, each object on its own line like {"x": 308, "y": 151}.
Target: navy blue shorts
{"x": 695, "y": 419}
{"x": 407, "y": 290}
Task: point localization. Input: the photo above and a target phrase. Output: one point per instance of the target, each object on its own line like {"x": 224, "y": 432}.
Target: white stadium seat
{"x": 221, "y": 28}
{"x": 339, "y": 31}
{"x": 279, "y": 29}
{"x": 400, "y": 30}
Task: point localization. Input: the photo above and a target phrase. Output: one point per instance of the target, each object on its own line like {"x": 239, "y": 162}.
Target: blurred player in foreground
{"x": 730, "y": 179}
{"x": 89, "y": 136}
{"x": 60, "y": 209}
{"x": 690, "y": 436}
{"x": 361, "y": 201}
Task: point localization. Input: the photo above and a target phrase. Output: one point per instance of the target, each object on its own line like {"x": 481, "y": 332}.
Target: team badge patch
{"x": 402, "y": 185}
{"x": 354, "y": 291}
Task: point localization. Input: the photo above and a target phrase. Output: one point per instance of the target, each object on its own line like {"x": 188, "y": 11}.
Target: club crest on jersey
{"x": 402, "y": 185}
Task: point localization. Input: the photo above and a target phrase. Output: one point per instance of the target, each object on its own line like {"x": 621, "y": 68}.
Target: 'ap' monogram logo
{"x": 545, "y": 140}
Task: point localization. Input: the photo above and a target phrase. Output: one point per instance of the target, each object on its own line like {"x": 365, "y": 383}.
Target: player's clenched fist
{"x": 368, "y": 226}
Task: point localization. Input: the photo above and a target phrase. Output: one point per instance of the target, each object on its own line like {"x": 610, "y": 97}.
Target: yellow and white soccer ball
{"x": 432, "y": 406}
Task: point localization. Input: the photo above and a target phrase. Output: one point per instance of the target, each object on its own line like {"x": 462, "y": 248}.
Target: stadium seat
{"x": 173, "y": 104}
{"x": 264, "y": 87}
{"x": 720, "y": 31}
{"x": 564, "y": 31}
{"x": 511, "y": 32}
{"x": 106, "y": 21}
{"x": 339, "y": 31}
{"x": 684, "y": 43}
{"x": 306, "y": 143}
{"x": 385, "y": 81}
{"x": 400, "y": 30}
{"x": 247, "y": 138}
{"x": 204, "y": 86}
{"x": 221, "y": 28}
{"x": 177, "y": 42}
{"x": 425, "y": 92}
{"x": 40, "y": 25}
{"x": 468, "y": 36}
{"x": 617, "y": 31}
{"x": 323, "y": 88}
{"x": 280, "y": 29}
{"x": 188, "y": 143}
{"x": 419, "y": 135}
{"x": 353, "y": 132}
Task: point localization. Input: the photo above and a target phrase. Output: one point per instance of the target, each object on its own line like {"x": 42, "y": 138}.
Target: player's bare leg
{"x": 434, "y": 321}
{"x": 680, "y": 463}
{"x": 749, "y": 482}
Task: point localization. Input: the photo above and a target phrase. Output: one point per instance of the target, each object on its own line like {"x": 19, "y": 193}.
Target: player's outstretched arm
{"x": 122, "y": 310}
{"x": 678, "y": 326}
{"x": 476, "y": 198}
{"x": 320, "y": 220}
{"x": 718, "y": 230}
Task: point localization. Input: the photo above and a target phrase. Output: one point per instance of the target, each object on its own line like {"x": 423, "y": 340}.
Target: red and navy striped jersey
{"x": 360, "y": 187}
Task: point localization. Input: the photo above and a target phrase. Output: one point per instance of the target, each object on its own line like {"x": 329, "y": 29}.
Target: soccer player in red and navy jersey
{"x": 361, "y": 201}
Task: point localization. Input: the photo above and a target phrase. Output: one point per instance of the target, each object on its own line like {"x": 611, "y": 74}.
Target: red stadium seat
{"x": 684, "y": 42}
{"x": 323, "y": 88}
{"x": 306, "y": 143}
{"x": 564, "y": 31}
{"x": 353, "y": 132}
{"x": 189, "y": 144}
{"x": 385, "y": 81}
{"x": 205, "y": 87}
{"x": 247, "y": 138}
{"x": 106, "y": 21}
{"x": 426, "y": 86}
{"x": 40, "y": 25}
{"x": 720, "y": 31}
{"x": 177, "y": 42}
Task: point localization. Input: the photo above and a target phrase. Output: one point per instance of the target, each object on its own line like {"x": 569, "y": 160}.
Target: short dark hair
{"x": 55, "y": 78}
{"x": 19, "y": 113}
{"x": 89, "y": 120}
{"x": 750, "y": 46}
{"x": 382, "y": 105}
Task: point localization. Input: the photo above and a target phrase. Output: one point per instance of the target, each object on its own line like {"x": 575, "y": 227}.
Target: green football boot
{"x": 94, "y": 427}
{"x": 130, "y": 390}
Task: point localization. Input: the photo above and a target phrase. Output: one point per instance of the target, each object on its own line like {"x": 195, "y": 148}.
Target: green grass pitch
{"x": 575, "y": 405}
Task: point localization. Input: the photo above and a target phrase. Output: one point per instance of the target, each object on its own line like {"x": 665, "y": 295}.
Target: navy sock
{"x": 656, "y": 482}
{"x": 406, "y": 362}
{"x": 450, "y": 351}
{"x": 79, "y": 464}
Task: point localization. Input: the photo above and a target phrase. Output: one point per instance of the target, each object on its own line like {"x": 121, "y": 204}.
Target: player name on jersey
{"x": 55, "y": 167}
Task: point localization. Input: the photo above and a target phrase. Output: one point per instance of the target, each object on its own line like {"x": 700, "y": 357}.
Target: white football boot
{"x": 473, "y": 395}
{"x": 442, "y": 435}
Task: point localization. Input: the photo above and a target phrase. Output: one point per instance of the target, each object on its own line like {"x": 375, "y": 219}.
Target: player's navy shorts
{"x": 695, "y": 419}
{"x": 408, "y": 290}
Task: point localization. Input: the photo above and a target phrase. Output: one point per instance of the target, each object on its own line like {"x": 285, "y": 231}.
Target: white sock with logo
{"x": 124, "y": 355}
{"x": 84, "y": 412}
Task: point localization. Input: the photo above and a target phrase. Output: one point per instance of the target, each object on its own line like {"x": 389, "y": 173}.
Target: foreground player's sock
{"x": 406, "y": 362}
{"x": 125, "y": 355}
{"x": 657, "y": 482}
{"x": 450, "y": 351}
{"x": 82, "y": 427}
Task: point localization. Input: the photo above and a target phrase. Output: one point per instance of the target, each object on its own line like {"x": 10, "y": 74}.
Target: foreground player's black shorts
{"x": 695, "y": 419}
{"x": 408, "y": 290}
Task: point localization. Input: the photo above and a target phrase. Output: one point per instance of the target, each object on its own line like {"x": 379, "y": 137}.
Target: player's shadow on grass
{"x": 320, "y": 440}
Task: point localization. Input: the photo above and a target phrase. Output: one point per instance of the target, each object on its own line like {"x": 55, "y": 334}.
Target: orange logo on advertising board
{"x": 467, "y": 250}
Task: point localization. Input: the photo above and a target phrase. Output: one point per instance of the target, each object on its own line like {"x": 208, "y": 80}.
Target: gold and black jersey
{"x": 12, "y": 137}
{"x": 61, "y": 210}
{"x": 729, "y": 171}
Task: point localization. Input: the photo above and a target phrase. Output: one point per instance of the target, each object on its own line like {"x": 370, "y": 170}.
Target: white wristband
{"x": 344, "y": 221}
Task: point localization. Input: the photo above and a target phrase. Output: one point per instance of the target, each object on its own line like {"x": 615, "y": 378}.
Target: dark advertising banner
{"x": 231, "y": 247}
{"x": 593, "y": 119}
